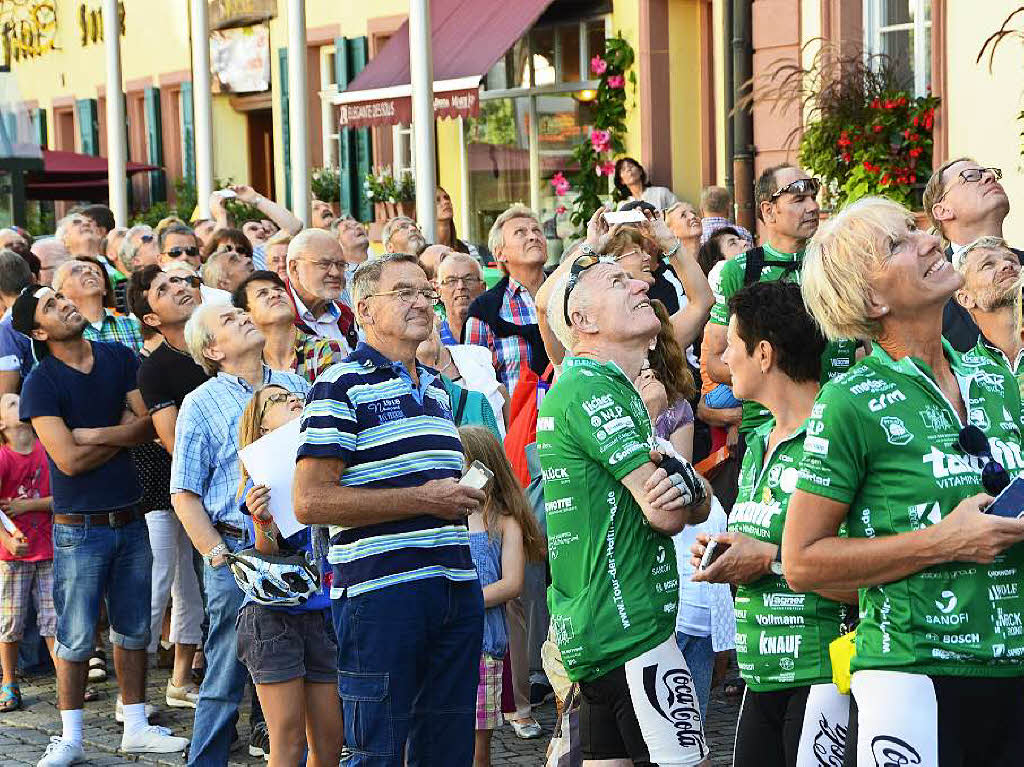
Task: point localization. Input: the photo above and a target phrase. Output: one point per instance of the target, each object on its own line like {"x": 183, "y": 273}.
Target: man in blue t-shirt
{"x": 75, "y": 400}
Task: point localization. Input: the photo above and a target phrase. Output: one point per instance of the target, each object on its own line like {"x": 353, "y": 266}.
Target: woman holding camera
{"x": 791, "y": 712}
{"x": 907, "y": 449}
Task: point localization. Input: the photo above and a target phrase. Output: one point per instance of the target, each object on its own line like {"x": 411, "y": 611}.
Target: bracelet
{"x": 216, "y": 551}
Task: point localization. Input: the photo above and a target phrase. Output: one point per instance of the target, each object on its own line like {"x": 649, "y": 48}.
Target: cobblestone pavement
{"x": 24, "y": 734}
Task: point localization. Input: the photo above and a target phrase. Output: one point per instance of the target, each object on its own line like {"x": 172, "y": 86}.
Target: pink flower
{"x": 560, "y": 209}
{"x": 616, "y": 81}
{"x": 601, "y": 140}
{"x": 606, "y": 168}
{"x": 598, "y": 65}
{"x": 560, "y": 183}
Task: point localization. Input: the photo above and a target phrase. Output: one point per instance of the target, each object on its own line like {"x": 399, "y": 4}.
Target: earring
{"x": 885, "y": 310}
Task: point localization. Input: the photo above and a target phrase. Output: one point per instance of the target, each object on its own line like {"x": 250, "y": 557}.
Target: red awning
{"x": 74, "y": 176}
{"x": 467, "y": 38}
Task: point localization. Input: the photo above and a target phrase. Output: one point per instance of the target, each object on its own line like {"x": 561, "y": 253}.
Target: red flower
{"x": 846, "y": 157}
{"x": 616, "y": 81}
{"x": 913, "y": 178}
{"x": 916, "y": 121}
{"x": 560, "y": 209}
{"x": 878, "y": 129}
{"x": 884, "y": 180}
{"x": 915, "y": 152}
{"x": 601, "y": 140}
{"x": 915, "y": 137}
{"x": 605, "y": 169}
{"x": 906, "y": 133}
{"x": 876, "y": 104}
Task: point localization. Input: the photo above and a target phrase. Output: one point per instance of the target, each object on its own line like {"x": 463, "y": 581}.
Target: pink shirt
{"x": 28, "y": 476}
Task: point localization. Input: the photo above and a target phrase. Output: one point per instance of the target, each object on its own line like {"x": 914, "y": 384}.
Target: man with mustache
{"x": 402, "y": 235}
{"x": 316, "y": 281}
{"x": 75, "y": 399}
{"x": 991, "y": 295}
{"x": 787, "y": 206}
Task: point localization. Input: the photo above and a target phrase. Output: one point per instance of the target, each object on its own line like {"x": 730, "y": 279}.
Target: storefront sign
{"x": 29, "y": 29}
{"x": 397, "y": 110}
{"x": 90, "y": 23}
{"x": 225, "y": 14}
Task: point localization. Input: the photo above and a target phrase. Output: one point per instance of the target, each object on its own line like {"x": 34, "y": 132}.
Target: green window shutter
{"x": 39, "y": 129}
{"x": 282, "y": 58}
{"x": 350, "y": 185}
{"x": 154, "y": 144}
{"x": 357, "y": 58}
{"x": 188, "y": 134}
{"x": 88, "y": 126}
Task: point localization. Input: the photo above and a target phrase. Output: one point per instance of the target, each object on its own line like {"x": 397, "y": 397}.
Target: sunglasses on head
{"x": 229, "y": 247}
{"x": 146, "y": 238}
{"x": 802, "y": 187}
{"x": 579, "y": 266}
{"x": 183, "y": 250}
{"x": 972, "y": 441}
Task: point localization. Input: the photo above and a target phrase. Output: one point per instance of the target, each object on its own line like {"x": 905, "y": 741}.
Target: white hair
{"x": 496, "y": 237}
{"x": 455, "y": 255}
{"x": 199, "y": 335}
{"x": 987, "y": 242}
{"x": 213, "y": 269}
{"x": 305, "y": 242}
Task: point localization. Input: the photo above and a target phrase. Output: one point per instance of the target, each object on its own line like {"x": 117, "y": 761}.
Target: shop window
{"x": 902, "y": 31}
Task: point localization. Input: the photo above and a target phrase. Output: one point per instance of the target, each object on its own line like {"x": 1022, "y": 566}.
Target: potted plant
{"x": 325, "y": 183}
{"x": 391, "y": 197}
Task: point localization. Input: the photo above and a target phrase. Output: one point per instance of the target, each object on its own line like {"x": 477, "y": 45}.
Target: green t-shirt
{"x": 614, "y": 584}
{"x": 994, "y": 353}
{"x": 881, "y": 439}
{"x": 838, "y": 356}
{"x": 782, "y": 636}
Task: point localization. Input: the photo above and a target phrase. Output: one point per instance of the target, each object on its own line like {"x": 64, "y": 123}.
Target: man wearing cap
{"x": 74, "y": 399}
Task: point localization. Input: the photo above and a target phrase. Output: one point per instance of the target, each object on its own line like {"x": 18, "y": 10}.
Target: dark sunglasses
{"x": 972, "y": 441}
{"x": 802, "y": 187}
{"x": 146, "y": 238}
{"x": 191, "y": 280}
{"x": 183, "y": 250}
{"x": 579, "y": 266}
{"x": 228, "y": 247}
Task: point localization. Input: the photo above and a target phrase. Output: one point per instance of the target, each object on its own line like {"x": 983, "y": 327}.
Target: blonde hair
{"x": 250, "y": 429}
{"x": 496, "y": 237}
{"x": 934, "y": 188}
{"x": 505, "y": 496}
{"x": 842, "y": 257}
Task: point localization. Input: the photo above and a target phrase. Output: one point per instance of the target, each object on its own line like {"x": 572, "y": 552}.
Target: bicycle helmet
{"x": 274, "y": 580}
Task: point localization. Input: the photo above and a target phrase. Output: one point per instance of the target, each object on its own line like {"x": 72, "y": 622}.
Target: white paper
{"x": 7, "y": 523}
{"x": 270, "y": 461}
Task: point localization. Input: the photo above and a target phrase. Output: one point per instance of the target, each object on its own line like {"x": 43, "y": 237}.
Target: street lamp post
{"x": 297, "y": 112}
{"x": 421, "y": 68}
{"x": 202, "y": 106}
{"x": 117, "y": 149}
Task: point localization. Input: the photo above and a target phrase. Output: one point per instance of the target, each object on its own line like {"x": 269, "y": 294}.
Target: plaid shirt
{"x": 511, "y": 352}
{"x": 711, "y": 224}
{"x": 206, "y": 441}
{"x": 116, "y": 328}
{"x": 314, "y": 355}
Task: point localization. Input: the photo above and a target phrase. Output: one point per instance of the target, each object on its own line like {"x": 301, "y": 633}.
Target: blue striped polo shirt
{"x": 366, "y": 412}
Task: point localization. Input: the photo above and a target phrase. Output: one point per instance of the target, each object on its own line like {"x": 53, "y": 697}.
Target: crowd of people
{"x": 616, "y": 479}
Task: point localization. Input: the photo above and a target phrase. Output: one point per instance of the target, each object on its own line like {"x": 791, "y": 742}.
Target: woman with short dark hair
{"x": 631, "y": 183}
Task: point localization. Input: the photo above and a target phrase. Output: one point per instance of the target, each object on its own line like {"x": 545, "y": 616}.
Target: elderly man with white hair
{"x": 79, "y": 235}
{"x": 51, "y": 253}
{"x": 614, "y": 580}
{"x": 459, "y": 281}
{"x": 316, "y": 280}
{"x": 401, "y": 234}
{"x": 991, "y": 294}
{"x": 204, "y": 481}
{"x": 226, "y": 270}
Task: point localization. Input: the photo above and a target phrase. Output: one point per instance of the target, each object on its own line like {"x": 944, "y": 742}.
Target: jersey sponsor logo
{"x": 814, "y": 428}
{"x": 948, "y": 603}
{"x": 941, "y": 654}
{"x": 618, "y": 424}
{"x": 786, "y": 663}
{"x": 883, "y": 625}
{"x": 556, "y": 474}
{"x": 613, "y": 570}
{"x": 951, "y": 470}
{"x": 555, "y": 542}
{"x": 992, "y": 382}
{"x": 818, "y": 410}
{"x": 675, "y": 701}
{"x": 896, "y": 432}
{"x": 628, "y": 451}
{"x": 816, "y": 445}
{"x": 876, "y": 404}
{"x": 814, "y": 478}
{"x": 1002, "y": 573}
{"x": 741, "y": 642}
{"x": 1000, "y": 651}
{"x": 865, "y": 519}
{"x": 561, "y": 625}
{"x": 789, "y": 644}
{"x": 922, "y": 513}
{"x": 979, "y": 418}
{"x": 787, "y": 482}
{"x": 740, "y": 615}
{"x": 758, "y": 514}
{"x": 890, "y": 751}
{"x": 872, "y": 386}
{"x": 559, "y": 505}
{"x": 594, "y": 404}
{"x": 961, "y": 638}
{"x": 545, "y": 423}
{"x": 999, "y": 591}
{"x": 780, "y": 620}
{"x": 784, "y": 601}
{"x": 936, "y": 419}
{"x": 1008, "y": 623}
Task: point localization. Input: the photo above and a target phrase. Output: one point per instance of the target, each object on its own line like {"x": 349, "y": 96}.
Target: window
{"x": 902, "y": 30}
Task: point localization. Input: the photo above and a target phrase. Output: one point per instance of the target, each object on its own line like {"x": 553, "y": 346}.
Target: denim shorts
{"x": 277, "y": 646}
{"x": 92, "y": 563}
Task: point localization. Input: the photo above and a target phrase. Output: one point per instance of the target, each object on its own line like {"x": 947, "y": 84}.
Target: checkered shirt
{"x": 511, "y": 352}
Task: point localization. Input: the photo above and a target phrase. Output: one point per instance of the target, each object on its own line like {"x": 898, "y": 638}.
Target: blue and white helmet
{"x": 274, "y": 580}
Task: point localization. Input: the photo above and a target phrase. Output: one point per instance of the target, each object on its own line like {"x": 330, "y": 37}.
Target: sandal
{"x": 10, "y": 697}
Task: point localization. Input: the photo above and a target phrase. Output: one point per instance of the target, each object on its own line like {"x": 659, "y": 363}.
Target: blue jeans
{"x": 700, "y": 658}
{"x": 224, "y": 683}
{"x": 93, "y": 563}
{"x": 409, "y": 658}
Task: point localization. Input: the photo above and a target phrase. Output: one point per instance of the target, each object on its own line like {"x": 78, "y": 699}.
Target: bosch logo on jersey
{"x": 961, "y": 638}
{"x": 881, "y": 403}
{"x": 776, "y": 645}
{"x": 784, "y": 601}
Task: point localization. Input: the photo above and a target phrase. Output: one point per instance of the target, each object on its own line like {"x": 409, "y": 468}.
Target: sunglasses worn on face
{"x": 183, "y": 250}
{"x": 147, "y": 238}
{"x": 802, "y": 187}
{"x": 972, "y": 441}
{"x": 229, "y": 247}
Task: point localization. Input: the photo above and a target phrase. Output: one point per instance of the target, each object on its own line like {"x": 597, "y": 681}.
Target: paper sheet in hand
{"x": 270, "y": 461}
{"x": 7, "y": 523}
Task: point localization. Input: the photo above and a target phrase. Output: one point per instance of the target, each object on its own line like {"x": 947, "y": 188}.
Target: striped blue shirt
{"x": 366, "y": 412}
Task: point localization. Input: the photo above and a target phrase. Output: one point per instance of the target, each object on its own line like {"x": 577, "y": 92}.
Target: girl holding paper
{"x": 288, "y": 648}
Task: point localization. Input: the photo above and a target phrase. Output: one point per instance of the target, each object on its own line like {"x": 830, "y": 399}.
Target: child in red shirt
{"x": 26, "y": 542}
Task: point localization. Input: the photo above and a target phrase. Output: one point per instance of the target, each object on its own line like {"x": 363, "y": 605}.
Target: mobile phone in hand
{"x": 634, "y": 216}
{"x": 1010, "y": 502}
{"x": 477, "y": 477}
{"x": 714, "y": 550}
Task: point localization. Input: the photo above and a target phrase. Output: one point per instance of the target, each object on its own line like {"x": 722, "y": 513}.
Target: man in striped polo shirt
{"x": 379, "y": 462}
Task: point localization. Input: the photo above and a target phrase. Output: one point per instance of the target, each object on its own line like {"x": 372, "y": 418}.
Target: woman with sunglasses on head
{"x": 224, "y": 240}
{"x": 791, "y": 712}
{"x": 907, "y": 450}
{"x": 285, "y": 635}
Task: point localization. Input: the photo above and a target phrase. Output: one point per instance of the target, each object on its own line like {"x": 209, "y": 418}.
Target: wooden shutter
{"x": 88, "y": 126}
{"x": 155, "y": 144}
{"x": 188, "y": 134}
{"x": 282, "y": 58}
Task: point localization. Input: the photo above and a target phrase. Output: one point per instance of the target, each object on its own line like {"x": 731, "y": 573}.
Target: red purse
{"x": 522, "y": 427}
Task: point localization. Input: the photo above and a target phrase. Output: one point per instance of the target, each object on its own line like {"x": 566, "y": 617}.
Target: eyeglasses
{"x": 183, "y": 250}
{"x": 622, "y": 256}
{"x": 146, "y": 238}
{"x": 191, "y": 280}
{"x": 79, "y": 268}
{"x": 276, "y": 399}
{"x": 802, "y": 187}
{"x": 579, "y": 266}
{"x": 469, "y": 282}
{"x": 409, "y": 295}
{"x": 972, "y": 441}
{"x": 325, "y": 265}
{"x": 971, "y": 176}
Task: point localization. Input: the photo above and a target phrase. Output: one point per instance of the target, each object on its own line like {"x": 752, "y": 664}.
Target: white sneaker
{"x": 119, "y": 710}
{"x": 181, "y": 697}
{"x": 152, "y": 740}
{"x": 61, "y": 753}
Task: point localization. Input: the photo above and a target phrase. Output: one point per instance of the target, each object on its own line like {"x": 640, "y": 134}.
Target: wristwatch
{"x": 216, "y": 551}
{"x": 776, "y": 565}
{"x": 586, "y": 250}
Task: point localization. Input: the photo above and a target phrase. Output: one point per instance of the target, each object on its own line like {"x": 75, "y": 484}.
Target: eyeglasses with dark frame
{"x": 469, "y": 281}
{"x": 972, "y": 441}
{"x": 970, "y": 176}
{"x": 802, "y": 187}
